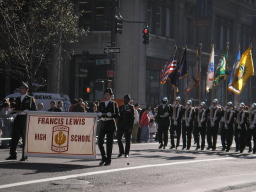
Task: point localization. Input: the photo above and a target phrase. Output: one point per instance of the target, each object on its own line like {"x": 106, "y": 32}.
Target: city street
{"x": 147, "y": 169}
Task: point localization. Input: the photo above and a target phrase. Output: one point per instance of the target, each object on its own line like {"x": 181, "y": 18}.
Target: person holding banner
{"x": 23, "y": 104}
{"x": 108, "y": 111}
{"x": 125, "y": 126}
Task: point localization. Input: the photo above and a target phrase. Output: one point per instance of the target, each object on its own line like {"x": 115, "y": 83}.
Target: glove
{"x": 9, "y": 110}
{"x": 99, "y": 114}
{"x": 166, "y": 114}
{"x": 199, "y": 125}
{"x": 109, "y": 114}
{"x": 222, "y": 119}
{"x": 251, "y": 127}
{"x": 225, "y": 108}
{"x": 25, "y": 111}
{"x": 187, "y": 124}
{"x": 212, "y": 124}
{"x": 226, "y": 127}
{"x": 175, "y": 123}
{"x": 238, "y": 127}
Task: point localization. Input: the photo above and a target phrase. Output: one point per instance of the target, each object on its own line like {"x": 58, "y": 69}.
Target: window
{"x": 95, "y": 14}
{"x": 161, "y": 18}
{"x": 224, "y": 32}
{"x": 245, "y": 37}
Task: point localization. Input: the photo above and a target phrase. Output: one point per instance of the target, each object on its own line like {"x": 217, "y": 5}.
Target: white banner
{"x": 64, "y": 135}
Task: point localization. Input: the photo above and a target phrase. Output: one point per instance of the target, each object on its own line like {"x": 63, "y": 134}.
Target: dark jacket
{"x": 126, "y": 118}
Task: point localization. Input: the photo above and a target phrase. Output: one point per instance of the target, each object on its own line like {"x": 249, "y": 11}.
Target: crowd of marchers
{"x": 137, "y": 125}
{"x": 205, "y": 124}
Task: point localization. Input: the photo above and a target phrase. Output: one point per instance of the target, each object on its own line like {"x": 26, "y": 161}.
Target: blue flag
{"x": 180, "y": 71}
{"x": 238, "y": 57}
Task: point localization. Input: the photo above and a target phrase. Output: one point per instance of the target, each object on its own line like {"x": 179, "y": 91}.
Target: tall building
{"x": 135, "y": 70}
{"x": 97, "y": 63}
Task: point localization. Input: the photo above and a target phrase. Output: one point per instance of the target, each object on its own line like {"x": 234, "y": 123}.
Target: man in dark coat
{"x": 53, "y": 107}
{"x": 177, "y": 113}
{"x": 79, "y": 107}
{"x": 163, "y": 120}
{"x": 23, "y": 104}
{"x": 108, "y": 111}
{"x": 125, "y": 126}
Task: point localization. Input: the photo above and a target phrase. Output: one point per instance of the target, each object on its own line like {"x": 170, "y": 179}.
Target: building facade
{"x": 136, "y": 69}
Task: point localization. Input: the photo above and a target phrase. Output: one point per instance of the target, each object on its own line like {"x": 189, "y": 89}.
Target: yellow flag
{"x": 243, "y": 71}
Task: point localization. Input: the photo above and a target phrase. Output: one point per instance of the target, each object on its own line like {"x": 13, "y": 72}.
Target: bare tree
{"x": 31, "y": 32}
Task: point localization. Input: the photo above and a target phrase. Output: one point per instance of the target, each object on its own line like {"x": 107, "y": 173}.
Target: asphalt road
{"x": 147, "y": 169}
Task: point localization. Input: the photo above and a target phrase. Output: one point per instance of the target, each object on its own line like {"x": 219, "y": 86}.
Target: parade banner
{"x": 60, "y": 134}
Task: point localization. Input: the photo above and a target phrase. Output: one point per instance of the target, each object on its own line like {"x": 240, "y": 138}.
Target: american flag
{"x": 168, "y": 68}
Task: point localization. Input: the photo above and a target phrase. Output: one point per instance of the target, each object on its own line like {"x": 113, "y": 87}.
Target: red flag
{"x": 169, "y": 67}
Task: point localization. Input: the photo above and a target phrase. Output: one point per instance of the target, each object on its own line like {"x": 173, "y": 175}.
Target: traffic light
{"x": 118, "y": 25}
{"x": 145, "y": 36}
{"x": 88, "y": 89}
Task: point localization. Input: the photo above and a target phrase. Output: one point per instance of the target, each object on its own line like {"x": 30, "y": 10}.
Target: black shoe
{"x": 249, "y": 151}
{"x": 241, "y": 151}
{"x": 213, "y": 149}
{"x": 126, "y": 155}
{"x": 164, "y": 147}
{"x": 223, "y": 149}
{"x": 183, "y": 148}
{"x": 160, "y": 146}
{"x": 236, "y": 150}
{"x": 172, "y": 147}
{"x": 24, "y": 159}
{"x": 102, "y": 162}
{"x": 202, "y": 148}
{"x": 11, "y": 158}
{"x": 120, "y": 155}
{"x": 107, "y": 164}
{"x": 227, "y": 150}
{"x": 188, "y": 148}
{"x": 208, "y": 148}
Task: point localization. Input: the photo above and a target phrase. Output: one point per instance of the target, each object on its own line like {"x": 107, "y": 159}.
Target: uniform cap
{"x": 165, "y": 99}
{"x": 215, "y": 101}
{"x": 229, "y": 103}
{"x": 241, "y": 104}
{"x": 127, "y": 96}
{"x": 203, "y": 103}
{"x": 108, "y": 90}
{"x": 24, "y": 85}
{"x": 178, "y": 98}
{"x": 189, "y": 102}
{"x": 254, "y": 105}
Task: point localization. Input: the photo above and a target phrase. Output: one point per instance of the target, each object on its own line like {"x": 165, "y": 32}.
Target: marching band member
{"x": 240, "y": 128}
{"x": 200, "y": 125}
{"x": 187, "y": 125}
{"x": 251, "y": 131}
{"x": 177, "y": 110}
{"x": 213, "y": 124}
{"x": 227, "y": 126}
{"x": 163, "y": 121}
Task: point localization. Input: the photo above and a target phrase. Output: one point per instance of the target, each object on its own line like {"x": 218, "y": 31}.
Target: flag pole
{"x": 213, "y": 77}
{"x": 199, "y": 74}
{"x": 186, "y": 80}
{"x": 226, "y": 88}
{"x": 251, "y": 84}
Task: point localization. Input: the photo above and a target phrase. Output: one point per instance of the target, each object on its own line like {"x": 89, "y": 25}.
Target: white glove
{"x": 222, "y": 119}
{"x": 99, "y": 114}
{"x": 175, "y": 123}
{"x": 166, "y": 114}
{"x": 238, "y": 127}
{"x": 251, "y": 126}
{"x": 25, "y": 111}
{"x": 238, "y": 108}
{"x": 226, "y": 127}
{"x": 109, "y": 114}
{"x": 187, "y": 124}
{"x": 186, "y": 106}
{"x": 212, "y": 124}
{"x": 199, "y": 125}
{"x": 225, "y": 108}
{"x": 10, "y": 110}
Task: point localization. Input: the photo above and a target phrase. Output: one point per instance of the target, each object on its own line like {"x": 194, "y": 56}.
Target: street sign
{"x": 81, "y": 75}
{"x": 102, "y": 61}
{"x": 112, "y": 50}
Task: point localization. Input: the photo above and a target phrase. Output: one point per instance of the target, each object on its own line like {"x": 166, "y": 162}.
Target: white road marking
{"x": 107, "y": 171}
